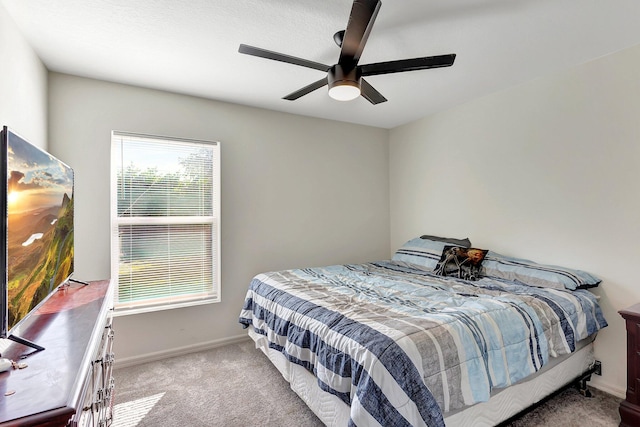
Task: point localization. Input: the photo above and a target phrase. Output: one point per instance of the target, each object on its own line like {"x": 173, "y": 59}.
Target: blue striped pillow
{"x": 534, "y": 274}
{"x": 421, "y": 251}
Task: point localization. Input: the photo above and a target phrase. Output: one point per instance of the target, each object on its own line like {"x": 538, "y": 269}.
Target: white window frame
{"x": 171, "y": 302}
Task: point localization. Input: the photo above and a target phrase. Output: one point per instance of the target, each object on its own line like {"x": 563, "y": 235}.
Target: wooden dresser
{"x": 630, "y": 407}
{"x": 69, "y": 383}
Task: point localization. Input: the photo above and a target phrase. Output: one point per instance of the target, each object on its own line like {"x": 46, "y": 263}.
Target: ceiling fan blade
{"x": 369, "y": 93}
{"x": 263, "y": 53}
{"x": 408, "y": 65}
{"x": 307, "y": 89}
{"x": 363, "y": 15}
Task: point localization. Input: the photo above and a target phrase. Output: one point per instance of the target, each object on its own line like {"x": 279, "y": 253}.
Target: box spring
{"x": 503, "y": 404}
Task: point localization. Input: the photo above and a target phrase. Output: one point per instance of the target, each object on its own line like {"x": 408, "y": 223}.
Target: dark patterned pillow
{"x": 463, "y": 263}
{"x": 458, "y": 242}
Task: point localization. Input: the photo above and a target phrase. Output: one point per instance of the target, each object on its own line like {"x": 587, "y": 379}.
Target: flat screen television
{"x": 36, "y": 238}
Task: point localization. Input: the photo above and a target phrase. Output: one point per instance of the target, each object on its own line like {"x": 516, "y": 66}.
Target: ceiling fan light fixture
{"x": 343, "y": 86}
{"x": 344, "y": 92}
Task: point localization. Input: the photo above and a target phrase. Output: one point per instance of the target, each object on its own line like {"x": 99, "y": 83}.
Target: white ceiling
{"x": 191, "y": 47}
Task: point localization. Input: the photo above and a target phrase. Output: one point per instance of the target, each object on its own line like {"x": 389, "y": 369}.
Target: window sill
{"x": 126, "y": 311}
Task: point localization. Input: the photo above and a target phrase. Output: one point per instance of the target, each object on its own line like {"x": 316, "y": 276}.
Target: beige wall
{"x": 296, "y": 192}
{"x": 547, "y": 171}
{"x": 23, "y": 85}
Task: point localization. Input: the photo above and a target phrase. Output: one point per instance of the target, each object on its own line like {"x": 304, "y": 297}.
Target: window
{"x": 165, "y": 217}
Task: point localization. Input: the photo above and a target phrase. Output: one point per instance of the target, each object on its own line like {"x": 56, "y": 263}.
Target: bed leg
{"x": 582, "y": 386}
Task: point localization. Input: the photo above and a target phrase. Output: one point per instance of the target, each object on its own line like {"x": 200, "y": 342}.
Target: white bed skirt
{"x": 501, "y": 406}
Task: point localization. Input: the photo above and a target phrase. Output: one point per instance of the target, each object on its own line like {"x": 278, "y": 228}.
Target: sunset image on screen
{"x": 39, "y": 226}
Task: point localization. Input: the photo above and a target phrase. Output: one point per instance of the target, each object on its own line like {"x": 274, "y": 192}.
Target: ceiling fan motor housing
{"x": 341, "y": 76}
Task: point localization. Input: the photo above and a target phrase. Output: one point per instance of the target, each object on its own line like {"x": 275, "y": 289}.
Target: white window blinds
{"x": 165, "y": 221}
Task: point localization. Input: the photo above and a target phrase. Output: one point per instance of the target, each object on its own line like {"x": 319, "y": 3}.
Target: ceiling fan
{"x": 345, "y": 79}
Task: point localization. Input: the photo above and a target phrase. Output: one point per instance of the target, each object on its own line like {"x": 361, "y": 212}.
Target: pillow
{"x": 463, "y": 263}
{"x": 458, "y": 242}
{"x": 422, "y": 252}
{"x": 538, "y": 275}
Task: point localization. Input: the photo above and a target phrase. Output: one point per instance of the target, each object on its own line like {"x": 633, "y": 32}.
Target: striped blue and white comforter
{"x": 401, "y": 346}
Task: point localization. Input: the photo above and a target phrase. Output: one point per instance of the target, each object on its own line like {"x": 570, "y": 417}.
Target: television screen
{"x": 37, "y": 234}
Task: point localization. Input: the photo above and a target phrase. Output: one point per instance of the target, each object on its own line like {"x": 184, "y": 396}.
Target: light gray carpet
{"x": 236, "y": 385}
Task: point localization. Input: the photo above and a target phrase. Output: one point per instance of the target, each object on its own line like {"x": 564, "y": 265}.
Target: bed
{"x": 441, "y": 333}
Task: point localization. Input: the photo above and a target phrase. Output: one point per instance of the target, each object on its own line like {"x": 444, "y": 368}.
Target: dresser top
{"x": 633, "y": 311}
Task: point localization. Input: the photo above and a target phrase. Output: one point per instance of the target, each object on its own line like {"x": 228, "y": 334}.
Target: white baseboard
{"x": 180, "y": 351}
{"x": 612, "y": 391}
{"x": 608, "y": 388}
